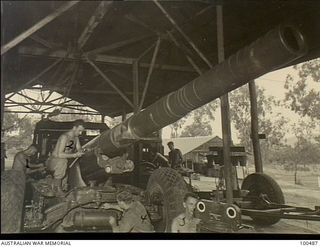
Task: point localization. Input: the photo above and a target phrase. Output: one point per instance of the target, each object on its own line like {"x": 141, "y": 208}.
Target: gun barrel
{"x": 274, "y": 50}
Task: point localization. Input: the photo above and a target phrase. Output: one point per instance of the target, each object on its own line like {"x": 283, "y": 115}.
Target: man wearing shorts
{"x": 67, "y": 147}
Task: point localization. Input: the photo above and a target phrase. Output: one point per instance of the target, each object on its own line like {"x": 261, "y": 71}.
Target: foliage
{"x": 197, "y": 128}
{"x": 201, "y": 125}
{"x": 176, "y": 126}
{"x": 17, "y": 131}
{"x": 241, "y": 117}
{"x": 305, "y": 151}
{"x": 303, "y": 100}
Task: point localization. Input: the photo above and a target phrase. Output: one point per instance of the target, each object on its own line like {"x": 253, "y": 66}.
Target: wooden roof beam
{"x": 191, "y": 43}
{"x": 93, "y": 22}
{"x": 181, "y": 48}
{"x": 43, "y": 42}
{"x": 110, "y": 82}
{"x": 37, "y": 26}
{"x": 85, "y": 91}
{"x": 44, "y": 112}
{"x": 37, "y": 76}
{"x": 153, "y": 60}
{"x": 119, "y": 44}
{"x": 34, "y": 51}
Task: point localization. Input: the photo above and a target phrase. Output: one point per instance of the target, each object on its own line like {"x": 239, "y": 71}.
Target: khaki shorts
{"x": 58, "y": 166}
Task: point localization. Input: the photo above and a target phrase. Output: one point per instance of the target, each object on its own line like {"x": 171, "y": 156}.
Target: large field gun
{"x": 274, "y": 50}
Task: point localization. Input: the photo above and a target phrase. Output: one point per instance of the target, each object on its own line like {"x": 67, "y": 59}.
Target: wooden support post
{"x": 255, "y": 128}
{"x": 93, "y": 22}
{"x": 37, "y": 26}
{"x": 135, "y": 78}
{"x": 225, "y": 115}
{"x": 110, "y": 83}
{"x": 183, "y": 34}
{"x": 153, "y": 60}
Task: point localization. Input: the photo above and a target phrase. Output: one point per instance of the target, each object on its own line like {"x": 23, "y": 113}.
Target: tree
{"x": 176, "y": 126}
{"x": 202, "y": 118}
{"x": 302, "y": 99}
{"x": 197, "y": 128}
{"x": 17, "y": 131}
{"x": 304, "y": 151}
{"x": 10, "y": 122}
{"x": 241, "y": 117}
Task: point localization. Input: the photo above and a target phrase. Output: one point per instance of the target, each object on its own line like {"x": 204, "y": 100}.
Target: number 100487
{"x": 309, "y": 243}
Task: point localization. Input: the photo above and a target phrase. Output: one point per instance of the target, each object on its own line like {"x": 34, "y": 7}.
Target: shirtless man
{"x": 186, "y": 222}
{"x": 67, "y": 147}
{"x": 21, "y": 161}
{"x": 134, "y": 218}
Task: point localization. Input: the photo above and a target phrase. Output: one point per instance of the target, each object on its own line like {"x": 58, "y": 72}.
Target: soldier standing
{"x": 175, "y": 156}
{"x": 68, "y": 146}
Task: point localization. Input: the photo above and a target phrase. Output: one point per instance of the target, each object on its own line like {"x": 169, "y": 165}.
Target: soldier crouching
{"x": 135, "y": 217}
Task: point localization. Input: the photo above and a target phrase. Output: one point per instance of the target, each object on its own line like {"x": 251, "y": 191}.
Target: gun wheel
{"x": 166, "y": 188}
{"x": 261, "y": 184}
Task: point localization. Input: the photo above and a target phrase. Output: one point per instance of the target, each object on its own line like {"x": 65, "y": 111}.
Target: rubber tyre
{"x": 172, "y": 187}
{"x": 12, "y": 201}
{"x": 258, "y": 183}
